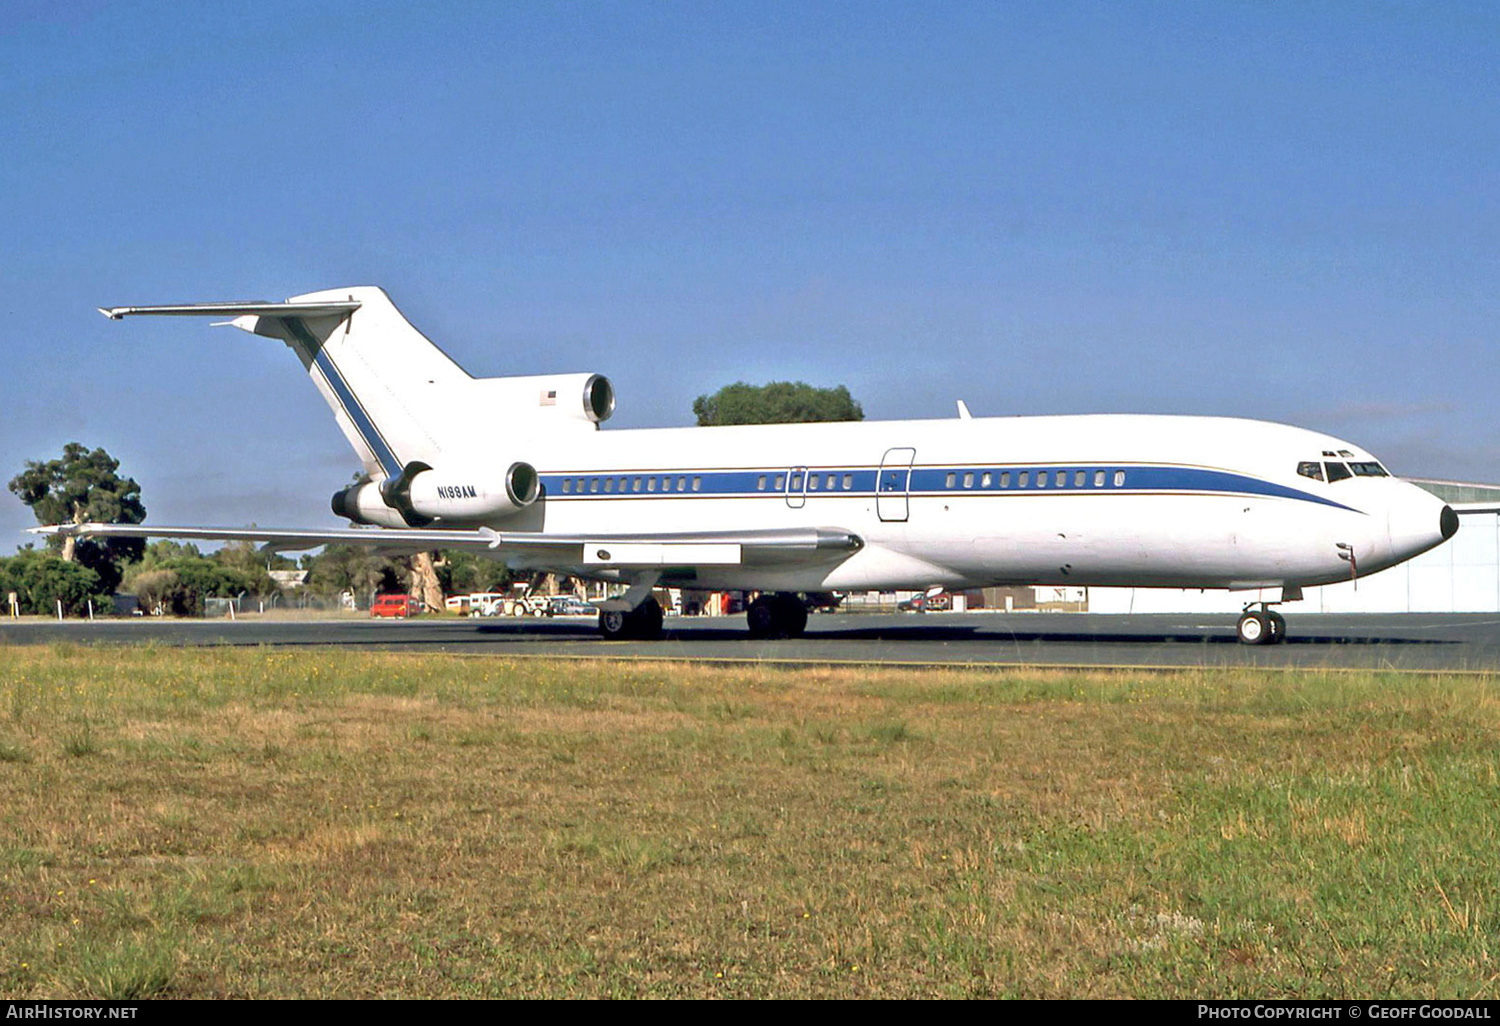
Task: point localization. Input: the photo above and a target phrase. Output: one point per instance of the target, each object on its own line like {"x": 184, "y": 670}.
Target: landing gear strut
{"x": 641, "y": 623}
{"x": 781, "y": 615}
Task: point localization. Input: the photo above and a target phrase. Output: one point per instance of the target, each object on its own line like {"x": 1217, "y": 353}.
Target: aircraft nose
{"x": 1418, "y": 522}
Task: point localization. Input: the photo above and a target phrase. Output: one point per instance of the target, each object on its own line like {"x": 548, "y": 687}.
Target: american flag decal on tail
{"x": 549, "y": 397}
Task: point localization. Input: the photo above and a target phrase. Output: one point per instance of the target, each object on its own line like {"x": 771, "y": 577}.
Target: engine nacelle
{"x": 421, "y": 495}
{"x": 588, "y": 399}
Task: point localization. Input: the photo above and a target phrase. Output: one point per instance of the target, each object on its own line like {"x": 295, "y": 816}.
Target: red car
{"x": 397, "y": 606}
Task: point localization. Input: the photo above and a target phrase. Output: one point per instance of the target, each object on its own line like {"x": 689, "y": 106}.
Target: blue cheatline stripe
{"x": 925, "y": 481}
{"x": 346, "y": 397}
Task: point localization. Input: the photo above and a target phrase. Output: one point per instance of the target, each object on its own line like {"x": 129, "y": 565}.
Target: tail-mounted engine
{"x": 587, "y": 399}
{"x": 421, "y": 495}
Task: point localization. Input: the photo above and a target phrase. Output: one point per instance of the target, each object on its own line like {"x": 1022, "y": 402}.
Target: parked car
{"x": 823, "y": 601}
{"x": 571, "y": 605}
{"x": 397, "y": 606}
{"x": 921, "y": 603}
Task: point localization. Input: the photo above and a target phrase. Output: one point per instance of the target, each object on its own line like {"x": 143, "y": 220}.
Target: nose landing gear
{"x": 1263, "y": 626}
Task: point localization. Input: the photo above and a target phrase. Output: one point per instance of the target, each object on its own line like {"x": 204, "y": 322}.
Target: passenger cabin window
{"x": 1005, "y": 479}
{"x": 760, "y": 483}
{"x": 1119, "y": 479}
{"x": 1098, "y": 479}
{"x": 848, "y": 482}
{"x": 650, "y": 484}
{"x": 780, "y": 482}
{"x": 950, "y": 480}
{"x": 567, "y": 485}
{"x": 1025, "y": 479}
{"x": 1337, "y": 472}
{"x": 1078, "y": 478}
{"x": 969, "y": 480}
{"x": 1308, "y": 468}
{"x": 1041, "y": 479}
{"x": 812, "y": 482}
{"x": 697, "y": 483}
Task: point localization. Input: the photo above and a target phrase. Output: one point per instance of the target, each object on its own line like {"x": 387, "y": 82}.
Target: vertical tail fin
{"x": 390, "y": 388}
{"x": 402, "y": 403}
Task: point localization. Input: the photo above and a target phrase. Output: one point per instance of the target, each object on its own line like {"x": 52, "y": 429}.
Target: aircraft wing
{"x": 1469, "y": 508}
{"x": 589, "y": 553}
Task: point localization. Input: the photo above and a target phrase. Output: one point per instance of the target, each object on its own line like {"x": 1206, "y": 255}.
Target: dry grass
{"x": 208, "y": 823}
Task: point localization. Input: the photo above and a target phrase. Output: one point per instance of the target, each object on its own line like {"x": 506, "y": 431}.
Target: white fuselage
{"x": 517, "y": 468}
{"x": 1128, "y": 500}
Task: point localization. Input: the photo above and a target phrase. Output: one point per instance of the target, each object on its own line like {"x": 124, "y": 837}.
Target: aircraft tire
{"x": 791, "y": 615}
{"x": 648, "y": 618}
{"x": 642, "y": 623}
{"x": 761, "y": 615}
{"x": 614, "y": 625}
{"x": 1278, "y": 627}
{"x": 1254, "y": 629}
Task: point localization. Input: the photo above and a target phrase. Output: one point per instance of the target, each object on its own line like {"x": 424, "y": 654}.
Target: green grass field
{"x": 327, "y": 823}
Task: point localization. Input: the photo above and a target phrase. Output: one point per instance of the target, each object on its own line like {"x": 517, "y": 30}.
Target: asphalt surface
{"x": 1453, "y": 641}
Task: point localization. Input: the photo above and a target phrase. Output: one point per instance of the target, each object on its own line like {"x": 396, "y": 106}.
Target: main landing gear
{"x": 781, "y": 615}
{"x": 1263, "y": 626}
{"x": 643, "y": 623}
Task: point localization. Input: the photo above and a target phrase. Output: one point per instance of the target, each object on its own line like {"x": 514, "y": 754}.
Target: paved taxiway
{"x": 1453, "y": 641}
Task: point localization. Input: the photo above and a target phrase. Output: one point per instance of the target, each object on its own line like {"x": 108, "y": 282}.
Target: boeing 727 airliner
{"x": 1166, "y": 501}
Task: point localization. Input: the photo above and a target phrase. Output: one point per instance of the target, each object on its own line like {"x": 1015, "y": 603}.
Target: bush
{"x": 41, "y": 579}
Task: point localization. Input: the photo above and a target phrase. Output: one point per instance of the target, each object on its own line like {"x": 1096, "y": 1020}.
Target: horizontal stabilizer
{"x": 253, "y": 308}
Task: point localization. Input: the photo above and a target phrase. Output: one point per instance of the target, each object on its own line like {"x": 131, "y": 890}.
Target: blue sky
{"x": 1285, "y": 211}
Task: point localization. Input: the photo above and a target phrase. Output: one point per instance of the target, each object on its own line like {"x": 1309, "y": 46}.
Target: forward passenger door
{"x": 893, "y": 483}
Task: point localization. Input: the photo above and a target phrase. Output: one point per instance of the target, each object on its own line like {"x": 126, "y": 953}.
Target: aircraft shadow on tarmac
{"x": 957, "y": 633}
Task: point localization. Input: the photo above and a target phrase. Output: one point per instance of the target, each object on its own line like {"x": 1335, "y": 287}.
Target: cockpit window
{"x": 1337, "y": 472}
{"x": 1311, "y": 468}
{"x": 1370, "y": 469}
